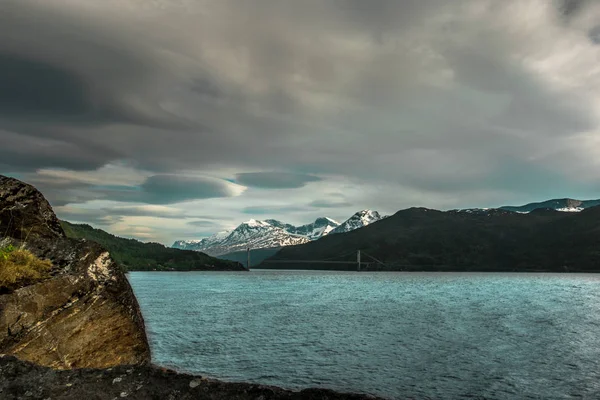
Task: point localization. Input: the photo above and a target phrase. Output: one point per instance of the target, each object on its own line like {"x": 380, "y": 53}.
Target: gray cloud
{"x": 202, "y": 224}
{"x": 141, "y": 211}
{"x": 32, "y": 89}
{"x": 62, "y": 73}
{"x": 155, "y": 190}
{"x": 450, "y": 100}
{"x": 272, "y": 210}
{"x": 21, "y": 152}
{"x": 92, "y": 217}
{"x": 275, "y": 180}
{"x": 329, "y": 204}
{"x": 569, "y": 8}
{"x": 595, "y": 34}
{"x": 168, "y": 189}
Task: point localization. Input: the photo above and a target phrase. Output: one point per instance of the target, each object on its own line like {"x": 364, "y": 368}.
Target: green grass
{"x": 19, "y": 267}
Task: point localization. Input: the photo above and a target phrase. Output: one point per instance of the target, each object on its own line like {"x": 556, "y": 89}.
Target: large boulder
{"x": 84, "y": 313}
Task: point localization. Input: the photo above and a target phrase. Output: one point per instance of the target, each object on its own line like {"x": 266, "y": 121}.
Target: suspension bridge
{"x": 362, "y": 262}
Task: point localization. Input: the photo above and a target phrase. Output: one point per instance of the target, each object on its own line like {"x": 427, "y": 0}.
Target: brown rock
{"x": 85, "y": 313}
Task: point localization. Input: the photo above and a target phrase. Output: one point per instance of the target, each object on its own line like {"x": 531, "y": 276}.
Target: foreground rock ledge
{"x": 84, "y": 314}
{"x": 24, "y": 380}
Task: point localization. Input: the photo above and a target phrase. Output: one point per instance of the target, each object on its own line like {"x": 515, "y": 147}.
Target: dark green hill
{"x": 484, "y": 240}
{"x": 134, "y": 255}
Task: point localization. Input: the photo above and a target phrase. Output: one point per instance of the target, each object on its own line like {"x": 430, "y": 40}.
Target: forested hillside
{"x": 134, "y": 255}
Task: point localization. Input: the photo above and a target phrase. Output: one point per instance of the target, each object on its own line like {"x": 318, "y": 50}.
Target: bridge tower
{"x": 248, "y": 258}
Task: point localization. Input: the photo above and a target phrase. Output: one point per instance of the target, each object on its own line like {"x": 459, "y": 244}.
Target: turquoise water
{"x": 397, "y": 335}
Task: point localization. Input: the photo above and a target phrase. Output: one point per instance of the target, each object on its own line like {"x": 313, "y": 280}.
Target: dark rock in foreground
{"x": 23, "y": 380}
{"x": 84, "y": 313}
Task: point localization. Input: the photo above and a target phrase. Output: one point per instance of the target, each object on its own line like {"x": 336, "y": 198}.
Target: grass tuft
{"x": 19, "y": 267}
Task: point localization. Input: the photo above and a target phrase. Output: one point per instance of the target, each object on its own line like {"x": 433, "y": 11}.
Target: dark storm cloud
{"x": 110, "y": 73}
{"x": 42, "y": 91}
{"x": 595, "y": 34}
{"x": 569, "y": 8}
{"x": 170, "y": 189}
{"x": 329, "y": 204}
{"x": 154, "y": 191}
{"x": 62, "y": 72}
{"x": 20, "y": 152}
{"x": 275, "y": 180}
{"x": 34, "y": 89}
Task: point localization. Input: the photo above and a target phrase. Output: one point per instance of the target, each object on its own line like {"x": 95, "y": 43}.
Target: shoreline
{"x": 23, "y": 379}
{"x": 587, "y": 272}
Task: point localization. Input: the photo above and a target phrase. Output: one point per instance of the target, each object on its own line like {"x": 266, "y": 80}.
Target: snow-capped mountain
{"x": 562, "y": 205}
{"x": 358, "y": 220}
{"x": 313, "y": 231}
{"x": 489, "y": 212}
{"x": 196, "y": 244}
{"x": 253, "y": 233}
{"x": 258, "y": 235}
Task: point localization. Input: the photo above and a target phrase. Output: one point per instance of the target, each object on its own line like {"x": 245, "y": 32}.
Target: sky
{"x": 175, "y": 119}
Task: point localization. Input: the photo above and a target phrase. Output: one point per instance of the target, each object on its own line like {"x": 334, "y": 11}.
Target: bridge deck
{"x": 309, "y": 262}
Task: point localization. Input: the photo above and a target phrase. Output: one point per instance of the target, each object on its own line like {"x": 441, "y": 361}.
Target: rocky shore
{"x": 77, "y": 332}
{"x": 24, "y": 380}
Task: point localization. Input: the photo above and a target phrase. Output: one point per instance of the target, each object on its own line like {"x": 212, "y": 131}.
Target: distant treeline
{"x": 134, "y": 255}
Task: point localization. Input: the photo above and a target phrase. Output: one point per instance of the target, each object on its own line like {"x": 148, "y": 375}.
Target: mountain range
{"x": 270, "y": 235}
{"x": 566, "y": 205}
{"x": 533, "y": 237}
{"x": 273, "y": 234}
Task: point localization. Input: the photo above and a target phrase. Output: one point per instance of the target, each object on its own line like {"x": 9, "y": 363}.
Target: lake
{"x": 396, "y": 335}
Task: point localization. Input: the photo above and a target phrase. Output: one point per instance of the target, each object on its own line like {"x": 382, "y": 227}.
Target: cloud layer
{"x": 220, "y": 105}
{"x": 275, "y": 180}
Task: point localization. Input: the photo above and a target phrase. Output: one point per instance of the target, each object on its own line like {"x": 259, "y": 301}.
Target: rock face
{"x": 25, "y": 212}
{"x": 84, "y": 315}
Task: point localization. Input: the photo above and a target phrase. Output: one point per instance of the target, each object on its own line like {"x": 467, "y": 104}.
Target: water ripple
{"x": 397, "y": 335}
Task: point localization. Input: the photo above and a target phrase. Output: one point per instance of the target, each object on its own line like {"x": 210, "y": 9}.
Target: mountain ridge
{"x": 252, "y": 233}
{"x": 358, "y": 220}
{"x": 272, "y": 233}
{"x": 564, "y": 204}
{"x": 420, "y": 239}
